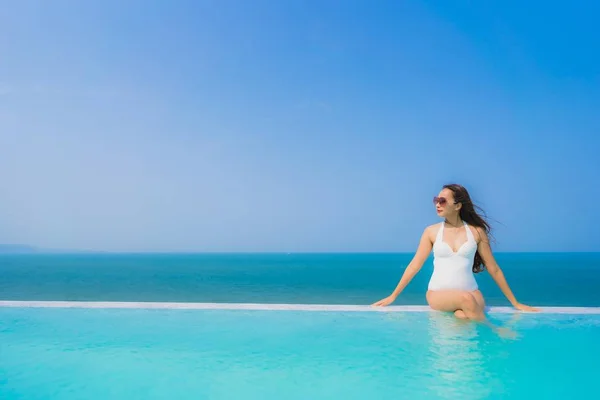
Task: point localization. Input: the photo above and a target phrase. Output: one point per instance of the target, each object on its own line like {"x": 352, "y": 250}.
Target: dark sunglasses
{"x": 441, "y": 200}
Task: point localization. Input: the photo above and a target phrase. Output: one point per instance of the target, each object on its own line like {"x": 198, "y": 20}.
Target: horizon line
{"x": 35, "y": 250}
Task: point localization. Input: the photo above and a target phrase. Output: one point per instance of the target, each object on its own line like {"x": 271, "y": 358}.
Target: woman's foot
{"x": 505, "y": 332}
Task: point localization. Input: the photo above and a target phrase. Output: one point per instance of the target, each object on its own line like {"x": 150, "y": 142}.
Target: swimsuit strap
{"x": 440, "y": 234}
{"x": 469, "y": 233}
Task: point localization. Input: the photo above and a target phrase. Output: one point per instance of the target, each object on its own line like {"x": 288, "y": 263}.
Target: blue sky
{"x": 295, "y": 125}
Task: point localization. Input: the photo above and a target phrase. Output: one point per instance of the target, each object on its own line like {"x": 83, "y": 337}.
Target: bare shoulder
{"x": 479, "y": 233}
{"x": 432, "y": 230}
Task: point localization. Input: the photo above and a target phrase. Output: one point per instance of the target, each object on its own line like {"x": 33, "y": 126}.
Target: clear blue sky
{"x": 296, "y": 125}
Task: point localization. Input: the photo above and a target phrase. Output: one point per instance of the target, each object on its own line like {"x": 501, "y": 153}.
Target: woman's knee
{"x": 468, "y": 301}
{"x": 479, "y": 298}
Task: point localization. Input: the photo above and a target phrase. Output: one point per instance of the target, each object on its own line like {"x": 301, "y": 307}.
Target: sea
{"x": 539, "y": 279}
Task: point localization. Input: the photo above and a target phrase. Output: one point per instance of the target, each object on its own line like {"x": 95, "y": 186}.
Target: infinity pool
{"x": 82, "y": 353}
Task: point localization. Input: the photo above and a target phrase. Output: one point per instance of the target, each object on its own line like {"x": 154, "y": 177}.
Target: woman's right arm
{"x": 415, "y": 265}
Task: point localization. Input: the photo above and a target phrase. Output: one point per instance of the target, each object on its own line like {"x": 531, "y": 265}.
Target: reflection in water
{"x": 456, "y": 357}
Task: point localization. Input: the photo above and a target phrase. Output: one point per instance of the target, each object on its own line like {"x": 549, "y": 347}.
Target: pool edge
{"x": 267, "y": 307}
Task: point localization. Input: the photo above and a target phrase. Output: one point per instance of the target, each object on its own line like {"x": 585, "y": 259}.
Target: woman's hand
{"x": 523, "y": 307}
{"x": 385, "y": 302}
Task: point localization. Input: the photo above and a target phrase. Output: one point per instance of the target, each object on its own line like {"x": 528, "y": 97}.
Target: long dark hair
{"x": 469, "y": 213}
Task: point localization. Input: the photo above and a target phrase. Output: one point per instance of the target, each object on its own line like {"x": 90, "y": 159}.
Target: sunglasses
{"x": 441, "y": 200}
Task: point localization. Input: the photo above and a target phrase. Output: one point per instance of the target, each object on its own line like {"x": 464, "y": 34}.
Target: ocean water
{"x": 65, "y": 354}
{"x": 545, "y": 279}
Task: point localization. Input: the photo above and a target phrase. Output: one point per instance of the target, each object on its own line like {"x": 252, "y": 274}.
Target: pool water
{"x": 66, "y": 353}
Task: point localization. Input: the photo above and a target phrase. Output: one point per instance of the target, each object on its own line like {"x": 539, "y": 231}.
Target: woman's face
{"x": 444, "y": 204}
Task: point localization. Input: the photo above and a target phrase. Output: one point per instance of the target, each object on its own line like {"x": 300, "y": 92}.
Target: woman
{"x": 461, "y": 248}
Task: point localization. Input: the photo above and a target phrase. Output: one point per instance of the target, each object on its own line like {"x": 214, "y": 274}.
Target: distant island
{"x": 27, "y": 249}
{"x": 17, "y": 248}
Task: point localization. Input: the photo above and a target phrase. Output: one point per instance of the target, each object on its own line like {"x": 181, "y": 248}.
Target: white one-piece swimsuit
{"x": 453, "y": 270}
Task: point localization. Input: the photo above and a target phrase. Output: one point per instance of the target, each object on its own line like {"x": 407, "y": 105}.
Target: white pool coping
{"x": 268, "y": 307}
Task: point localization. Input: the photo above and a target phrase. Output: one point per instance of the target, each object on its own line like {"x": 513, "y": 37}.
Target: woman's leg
{"x": 465, "y": 305}
{"x": 462, "y": 303}
{"x": 479, "y": 298}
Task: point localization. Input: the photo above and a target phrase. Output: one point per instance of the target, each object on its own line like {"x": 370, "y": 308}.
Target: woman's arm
{"x": 494, "y": 269}
{"x": 414, "y": 266}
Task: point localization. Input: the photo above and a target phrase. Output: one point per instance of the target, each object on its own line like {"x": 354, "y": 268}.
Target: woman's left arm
{"x": 492, "y": 266}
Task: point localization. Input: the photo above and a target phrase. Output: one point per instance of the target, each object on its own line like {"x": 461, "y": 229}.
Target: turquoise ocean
{"x": 557, "y": 279}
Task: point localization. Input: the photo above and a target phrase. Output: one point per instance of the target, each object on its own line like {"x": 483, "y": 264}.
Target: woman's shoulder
{"x": 431, "y": 231}
{"x": 478, "y": 232}
{"x": 434, "y": 228}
